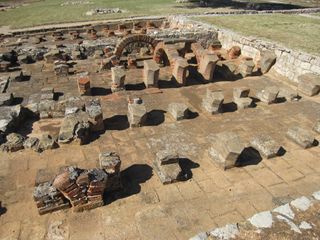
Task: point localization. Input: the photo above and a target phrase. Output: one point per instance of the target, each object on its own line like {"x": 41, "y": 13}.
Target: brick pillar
{"x": 151, "y": 73}
{"x": 84, "y": 86}
{"x": 179, "y": 71}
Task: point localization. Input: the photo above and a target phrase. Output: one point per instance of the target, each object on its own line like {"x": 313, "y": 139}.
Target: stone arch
{"x": 133, "y": 39}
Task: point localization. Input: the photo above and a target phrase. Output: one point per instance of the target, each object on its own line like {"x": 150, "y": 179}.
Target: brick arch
{"x": 166, "y": 53}
{"x": 132, "y": 39}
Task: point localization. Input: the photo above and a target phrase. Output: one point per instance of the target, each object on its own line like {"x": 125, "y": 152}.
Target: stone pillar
{"x": 213, "y": 101}
{"x": 137, "y": 113}
{"x": 110, "y": 162}
{"x": 179, "y": 71}
{"x": 118, "y": 78}
{"x": 246, "y": 67}
{"x": 94, "y": 110}
{"x": 241, "y": 97}
{"x": 178, "y": 111}
{"x": 207, "y": 66}
{"x": 84, "y": 86}
{"x": 151, "y": 73}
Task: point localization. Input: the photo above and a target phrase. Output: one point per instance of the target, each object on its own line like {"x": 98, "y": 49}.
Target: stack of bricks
{"x": 49, "y": 199}
{"x": 84, "y": 86}
{"x": 82, "y": 188}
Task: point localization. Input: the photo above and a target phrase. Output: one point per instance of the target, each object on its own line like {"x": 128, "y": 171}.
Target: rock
{"x": 267, "y": 60}
{"x": 11, "y": 117}
{"x": 229, "y": 231}
{"x": 74, "y": 105}
{"x": 47, "y": 142}
{"x": 225, "y": 149}
{"x": 178, "y": 111}
{"x": 4, "y": 83}
{"x": 309, "y": 84}
{"x": 262, "y": 220}
{"x": 167, "y": 167}
{"x": 302, "y": 203}
{"x": 94, "y": 110}
{"x": 213, "y": 101}
{"x": 14, "y": 143}
{"x": 234, "y": 52}
{"x": 246, "y": 68}
{"x": 137, "y": 113}
{"x": 316, "y": 127}
{"x": 268, "y": 95}
{"x": 31, "y": 143}
{"x": 47, "y": 93}
{"x": 243, "y": 103}
{"x": 61, "y": 70}
{"x": 241, "y": 92}
{"x": 288, "y": 94}
{"x": 266, "y": 146}
{"x": 110, "y": 162}
{"x": 52, "y": 56}
{"x": 6, "y": 99}
{"x": 301, "y": 136}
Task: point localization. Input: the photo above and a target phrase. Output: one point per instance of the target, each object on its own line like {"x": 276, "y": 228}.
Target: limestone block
{"x": 137, "y": 113}
{"x": 94, "y": 110}
{"x": 241, "y": 92}
{"x": 301, "y": 136}
{"x": 246, "y": 68}
{"x": 267, "y": 60}
{"x": 179, "y": 72}
{"x": 110, "y": 162}
{"x": 178, "y": 111}
{"x": 167, "y": 167}
{"x": 14, "y": 143}
{"x": 309, "y": 84}
{"x": 243, "y": 103}
{"x": 213, "y": 101}
{"x": 151, "y": 73}
{"x": 268, "y": 95}
{"x": 226, "y": 149}
{"x": 316, "y": 127}
{"x": 207, "y": 66}
{"x": 6, "y": 99}
{"x": 266, "y": 146}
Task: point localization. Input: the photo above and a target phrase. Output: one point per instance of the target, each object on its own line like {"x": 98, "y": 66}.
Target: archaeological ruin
{"x": 199, "y": 117}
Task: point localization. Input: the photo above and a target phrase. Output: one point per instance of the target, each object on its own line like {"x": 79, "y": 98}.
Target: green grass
{"x": 293, "y": 31}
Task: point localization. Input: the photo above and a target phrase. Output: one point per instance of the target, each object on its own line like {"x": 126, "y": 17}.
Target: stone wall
{"x": 290, "y": 63}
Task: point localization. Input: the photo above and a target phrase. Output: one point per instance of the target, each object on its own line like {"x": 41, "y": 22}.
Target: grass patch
{"x": 293, "y": 31}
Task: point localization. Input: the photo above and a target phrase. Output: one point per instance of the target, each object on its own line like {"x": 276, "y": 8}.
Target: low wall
{"x": 290, "y": 63}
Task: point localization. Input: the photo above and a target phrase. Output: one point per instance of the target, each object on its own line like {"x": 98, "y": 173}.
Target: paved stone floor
{"x": 147, "y": 209}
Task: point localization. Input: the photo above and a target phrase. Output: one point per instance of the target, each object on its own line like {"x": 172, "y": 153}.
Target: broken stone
{"x": 178, "y": 111}
{"x": 11, "y": 117}
{"x": 225, "y": 149}
{"x": 266, "y": 146}
{"x": 6, "y": 99}
{"x": 267, "y": 60}
{"x": 268, "y": 95}
{"x": 151, "y": 73}
{"x": 316, "y": 127}
{"x": 137, "y": 113}
{"x": 47, "y": 93}
{"x": 246, "y": 68}
{"x": 167, "y": 167}
{"x": 309, "y": 84}
{"x": 110, "y": 162}
{"x": 262, "y": 220}
{"x": 61, "y": 70}
{"x": 31, "y": 143}
{"x": 213, "y": 101}
{"x": 47, "y": 142}
{"x": 52, "y": 56}
{"x": 241, "y": 92}
{"x": 94, "y": 110}
{"x": 118, "y": 78}
{"x": 288, "y": 94}
{"x": 229, "y": 231}
{"x": 243, "y": 103}
{"x": 14, "y": 143}
{"x": 74, "y": 105}
{"x": 4, "y": 83}
{"x": 301, "y": 136}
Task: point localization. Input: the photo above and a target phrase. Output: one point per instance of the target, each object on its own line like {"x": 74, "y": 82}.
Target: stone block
{"x": 151, "y": 73}
{"x": 288, "y": 94}
{"x": 137, "y": 113}
{"x": 266, "y": 146}
{"x": 246, "y": 68}
{"x": 178, "y": 111}
{"x": 226, "y": 149}
{"x": 243, "y": 103}
{"x": 110, "y": 162}
{"x": 31, "y": 143}
{"x": 207, "y": 66}
{"x": 213, "y": 101}
{"x": 241, "y": 92}
{"x": 14, "y": 143}
{"x": 4, "y": 83}
{"x": 94, "y": 110}
{"x": 52, "y": 56}
{"x": 267, "y": 60}
{"x": 316, "y": 126}
{"x": 47, "y": 142}
{"x": 268, "y": 95}
{"x": 61, "y": 70}
{"x": 84, "y": 86}
{"x": 167, "y": 167}
{"x": 179, "y": 71}
{"x": 74, "y": 105}
{"x": 6, "y": 99}
{"x": 301, "y": 136}
{"x": 309, "y": 84}
{"x": 118, "y": 78}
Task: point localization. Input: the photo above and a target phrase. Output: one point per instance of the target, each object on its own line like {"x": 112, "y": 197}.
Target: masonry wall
{"x": 290, "y": 63}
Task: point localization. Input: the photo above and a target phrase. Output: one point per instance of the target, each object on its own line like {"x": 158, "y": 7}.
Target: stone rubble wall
{"x": 290, "y": 63}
